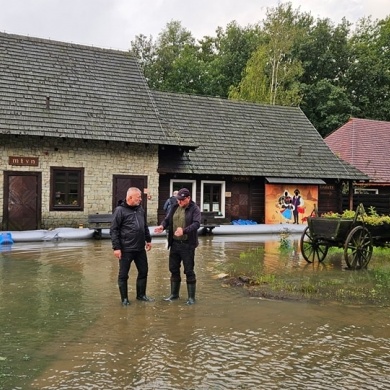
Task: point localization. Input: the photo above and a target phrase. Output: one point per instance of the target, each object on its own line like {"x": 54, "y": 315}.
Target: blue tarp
{"x": 6, "y": 238}
{"x": 243, "y": 222}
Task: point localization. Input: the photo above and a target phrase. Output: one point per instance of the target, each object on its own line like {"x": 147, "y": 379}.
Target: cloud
{"x": 115, "y": 23}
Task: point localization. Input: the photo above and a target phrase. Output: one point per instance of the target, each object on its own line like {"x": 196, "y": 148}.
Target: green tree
{"x": 230, "y": 51}
{"x": 273, "y": 64}
{"x": 327, "y": 106}
{"x": 325, "y": 57}
{"x": 254, "y": 85}
{"x": 171, "y": 63}
{"x": 368, "y": 77}
{"x": 144, "y": 49}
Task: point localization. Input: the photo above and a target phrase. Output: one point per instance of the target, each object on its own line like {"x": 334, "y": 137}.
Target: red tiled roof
{"x": 365, "y": 144}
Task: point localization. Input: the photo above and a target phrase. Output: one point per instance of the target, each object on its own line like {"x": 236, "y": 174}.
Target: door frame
{"x": 38, "y": 216}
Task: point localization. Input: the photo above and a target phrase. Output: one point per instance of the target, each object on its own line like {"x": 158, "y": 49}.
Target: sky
{"x": 113, "y": 24}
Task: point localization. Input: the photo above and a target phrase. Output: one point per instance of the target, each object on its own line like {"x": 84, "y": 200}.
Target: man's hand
{"x": 118, "y": 253}
{"x": 179, "y": 232}
{"x": 159, "y": 229}
{"x": 148, "y": 246}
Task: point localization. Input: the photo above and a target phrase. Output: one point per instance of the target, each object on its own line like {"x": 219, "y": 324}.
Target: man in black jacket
{"x": 182, "y": 222}
{"x": 131, "y": 239}
{"x": 170, "y": 202}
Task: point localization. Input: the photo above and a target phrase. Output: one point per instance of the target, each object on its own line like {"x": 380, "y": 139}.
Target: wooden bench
{"x": 98, "y": 222}
{"x": 208, "y": 222}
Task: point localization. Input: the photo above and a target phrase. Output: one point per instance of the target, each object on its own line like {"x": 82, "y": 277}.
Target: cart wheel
{"x": 311, "y": 248}
{"x": 358, "y": 248}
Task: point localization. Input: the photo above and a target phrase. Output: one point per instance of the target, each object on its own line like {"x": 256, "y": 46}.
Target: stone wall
{"x": 100, "y": 160}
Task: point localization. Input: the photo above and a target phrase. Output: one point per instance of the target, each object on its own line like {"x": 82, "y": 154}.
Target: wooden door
{"x": 22, "y": 201}
{"x": 121, "y": 183}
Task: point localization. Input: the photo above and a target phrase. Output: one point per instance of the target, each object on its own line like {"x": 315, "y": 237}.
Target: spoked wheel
{"x": 311, "y": 248}
{"x": 358, "y": 248}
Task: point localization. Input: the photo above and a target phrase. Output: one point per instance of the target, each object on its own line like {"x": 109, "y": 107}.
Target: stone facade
{"x": 100, "y": 160}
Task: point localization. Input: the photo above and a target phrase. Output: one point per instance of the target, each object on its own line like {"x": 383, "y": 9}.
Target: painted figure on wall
{"x": 297, "y": 202}
{"x": 287, "y": 204}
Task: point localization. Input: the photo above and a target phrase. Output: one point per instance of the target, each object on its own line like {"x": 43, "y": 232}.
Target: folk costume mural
{"x": 288, "y": 204}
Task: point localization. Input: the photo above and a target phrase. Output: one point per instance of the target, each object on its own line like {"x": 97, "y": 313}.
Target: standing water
{"x": 63, "y": 327}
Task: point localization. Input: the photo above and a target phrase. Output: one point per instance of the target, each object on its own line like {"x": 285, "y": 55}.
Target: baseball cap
{"x": 183, "y": 193}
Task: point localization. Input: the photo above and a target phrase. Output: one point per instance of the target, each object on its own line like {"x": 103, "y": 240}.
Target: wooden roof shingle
{"x": 57, "y": 89}
{"x": 240, "y": 138}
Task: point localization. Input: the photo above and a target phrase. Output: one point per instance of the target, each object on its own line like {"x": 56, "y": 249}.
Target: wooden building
{"x": 250, "y": 155}
{"x": 78, "y": 126}
{"x": 365, "y": 144}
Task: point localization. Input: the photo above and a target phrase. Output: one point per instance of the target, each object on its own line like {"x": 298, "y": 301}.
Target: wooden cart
{"x": 356, "y": 237}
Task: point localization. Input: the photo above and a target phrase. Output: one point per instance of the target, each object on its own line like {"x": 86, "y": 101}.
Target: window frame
{"x": 193, "y": 185}
{"x": 80, "y": 187}
{"x": 222, "y": 183}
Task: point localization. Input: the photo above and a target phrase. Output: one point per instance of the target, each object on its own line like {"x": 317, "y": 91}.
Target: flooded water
{"x": 62, "y": 326}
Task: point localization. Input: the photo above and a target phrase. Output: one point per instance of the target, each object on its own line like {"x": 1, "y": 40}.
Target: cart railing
{"x": 332, "y": 229}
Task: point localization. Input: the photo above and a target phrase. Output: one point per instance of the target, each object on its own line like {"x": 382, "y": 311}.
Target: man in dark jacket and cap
{"x": 131, "y": 239}
{"x": 182, "y": 222}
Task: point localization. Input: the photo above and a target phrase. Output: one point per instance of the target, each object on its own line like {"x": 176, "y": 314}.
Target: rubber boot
{"x": 141, "y": 291}
{"x": 191, "y": 289}
{"x": 123, "y": 291}
{"x": 175, "y": 288}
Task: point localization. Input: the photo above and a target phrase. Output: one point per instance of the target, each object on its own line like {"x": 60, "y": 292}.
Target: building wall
{"x": 244, "y": 195}
{"x": 100, "y": 161}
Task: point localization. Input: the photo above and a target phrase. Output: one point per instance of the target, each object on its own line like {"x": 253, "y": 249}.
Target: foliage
{"x": 271, "y": 74}
{"x": 331, "y": 71}
{"x": 371, "y": 218}
{"x": 358, "y": 287}
{"x": 232, "y": 48}
{"x": 368, "y": 77}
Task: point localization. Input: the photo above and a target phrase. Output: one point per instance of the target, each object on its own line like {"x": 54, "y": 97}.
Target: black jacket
{"x": 169, "y": 203}
{"x": 192, "y": 217}
{"x": 129, "y": 230}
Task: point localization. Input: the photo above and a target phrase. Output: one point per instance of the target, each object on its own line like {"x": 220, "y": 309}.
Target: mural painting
{"x": 289, "y": 203}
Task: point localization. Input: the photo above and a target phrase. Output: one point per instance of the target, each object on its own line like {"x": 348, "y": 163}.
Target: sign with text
{"x": 23, "y": 161}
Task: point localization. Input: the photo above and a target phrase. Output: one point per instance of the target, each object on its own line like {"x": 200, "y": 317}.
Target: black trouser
{"x": 181, "y": 251}
{"x": 141, "y": 262}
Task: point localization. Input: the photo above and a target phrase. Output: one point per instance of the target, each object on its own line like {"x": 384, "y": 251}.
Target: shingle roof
{"x": 93, "y": 93}
{"x": 365, "y": 144}
{"x": 241, "y": 138}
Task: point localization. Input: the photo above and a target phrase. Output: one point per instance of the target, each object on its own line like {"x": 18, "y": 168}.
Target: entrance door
{"x": 123, "y": 182}
{"x": 22, "y": 201}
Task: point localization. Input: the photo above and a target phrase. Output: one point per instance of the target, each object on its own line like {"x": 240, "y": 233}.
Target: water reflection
{"x": 63, "y": 326}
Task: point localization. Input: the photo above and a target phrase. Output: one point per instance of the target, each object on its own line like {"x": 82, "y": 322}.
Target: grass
{"x": 325, "y": 282}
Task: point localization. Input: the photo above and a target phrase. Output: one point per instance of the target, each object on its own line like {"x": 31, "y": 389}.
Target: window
{"x": 176, "y": 185}
{"x": 67, "y": 189}
{"x": 213, "y": 196}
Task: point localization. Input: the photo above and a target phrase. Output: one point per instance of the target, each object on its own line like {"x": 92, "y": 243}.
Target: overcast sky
{"x": 115, "y": 23}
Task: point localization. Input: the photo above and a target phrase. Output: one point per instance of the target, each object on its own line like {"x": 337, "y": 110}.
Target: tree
{"x": 327, "y": 106}
{"x": 368, "y": 77}
{"x": 171, "y": 63}
{"x": 231, "y": 50}
{"x": 144, "y": 49}
{"x": 325, "y": 55}
{"x": 254, "y": 85}
{"x": 273, "y": 64}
